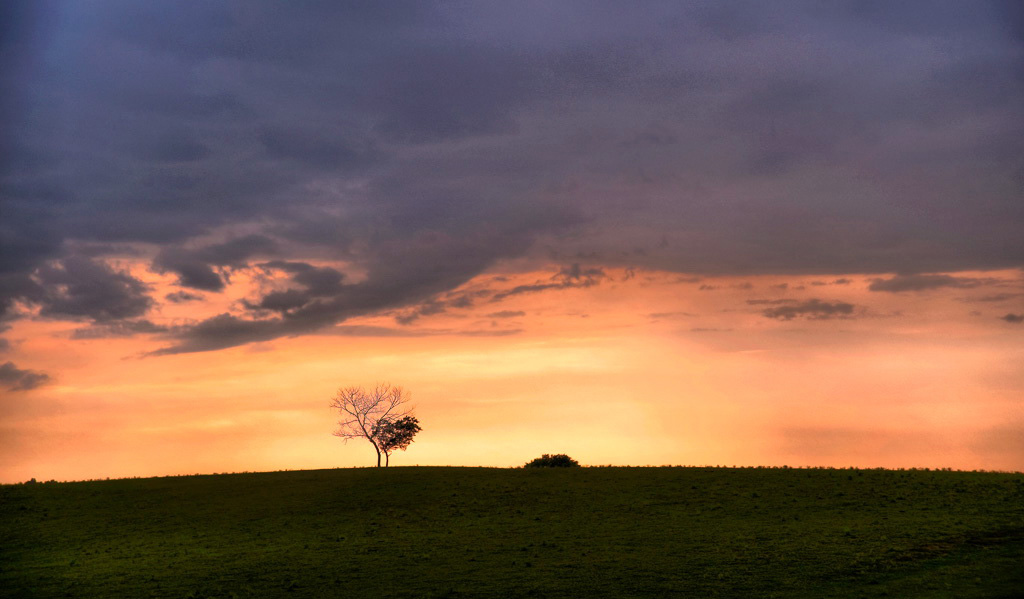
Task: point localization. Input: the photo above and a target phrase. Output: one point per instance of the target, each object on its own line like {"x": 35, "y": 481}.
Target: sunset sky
{"x": 707, "y": 232}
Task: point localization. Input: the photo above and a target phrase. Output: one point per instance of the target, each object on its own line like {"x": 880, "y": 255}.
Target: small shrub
{"x": 559, "y": 460}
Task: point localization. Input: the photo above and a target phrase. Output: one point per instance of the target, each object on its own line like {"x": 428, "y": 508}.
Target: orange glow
{"x": 635, "y": 369}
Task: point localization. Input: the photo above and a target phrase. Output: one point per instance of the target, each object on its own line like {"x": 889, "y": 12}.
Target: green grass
{"x": 478, "y": 532}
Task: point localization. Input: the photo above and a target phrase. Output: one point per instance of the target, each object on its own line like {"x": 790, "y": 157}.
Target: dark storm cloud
{"x": 18, "y": 379}
{"x": 710, "y": 138}
{"x": 178, "y": 149}
{"x": 480, "y": 91}
{"x": 1013, "y": 318}
{"x": 179, "y": 297}
{"x": 316, "y": 283}
{"x": 196, "y": 267}
{"x": 77, "y": 287}
{"x": 14, "y": 287}
{"x": 578, "y": 276}
{"x": 427, "y": 308}
{"x": 315, "y": 149}
{"x": 223, "y": 331}
{"x": 813, "y": 309}
{"x": 567, "y": 277}
{"x": 192, "y": 272}
{"x": 900, "y": 283}
{"x": 407, "y": 271}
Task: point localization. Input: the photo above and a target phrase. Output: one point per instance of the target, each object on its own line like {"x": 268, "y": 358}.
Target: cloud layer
{"x": 813, "y": 309}
{"x": 19, "y": 379}
{"x": 419, "y": 144}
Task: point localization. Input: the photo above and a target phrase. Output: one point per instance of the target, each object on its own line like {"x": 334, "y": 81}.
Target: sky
{"x": 697, "y": 233}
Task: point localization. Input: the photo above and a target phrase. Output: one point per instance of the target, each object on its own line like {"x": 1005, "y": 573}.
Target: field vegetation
{"x": 534, "y": 532}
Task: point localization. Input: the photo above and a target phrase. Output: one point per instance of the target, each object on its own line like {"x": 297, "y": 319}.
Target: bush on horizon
{"x": 559, "y": 460}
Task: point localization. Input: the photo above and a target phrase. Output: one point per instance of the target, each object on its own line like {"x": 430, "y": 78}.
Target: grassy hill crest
{"x": 493, "y": 532}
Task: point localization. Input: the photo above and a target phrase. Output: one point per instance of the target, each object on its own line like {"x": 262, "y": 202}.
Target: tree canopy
{"x": 395, "y": 433}
{"x": 559, "y": 460}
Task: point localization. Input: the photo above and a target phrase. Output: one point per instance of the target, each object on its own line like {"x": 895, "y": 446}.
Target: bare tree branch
{"x": 362, "y": 411}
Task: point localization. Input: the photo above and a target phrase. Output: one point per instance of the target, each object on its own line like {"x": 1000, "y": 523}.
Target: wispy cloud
{"x": 18, "y": 379}
{"x": 124, "y": 328}
{"x": 770, "y": 302}
{"x": 813, "y": 309}
{"x": 923, "y": 282}
{"x": 507, "y": 314}
{"x": 569, "y": 276}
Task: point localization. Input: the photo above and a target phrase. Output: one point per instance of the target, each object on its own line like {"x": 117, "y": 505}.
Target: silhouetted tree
{"x": 559, "y": 460}
{"x": 395, "y": 433}
{"x": 363, "y": 412}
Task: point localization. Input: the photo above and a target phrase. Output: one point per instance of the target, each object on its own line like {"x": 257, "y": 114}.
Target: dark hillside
{"x": 465, "y": 532}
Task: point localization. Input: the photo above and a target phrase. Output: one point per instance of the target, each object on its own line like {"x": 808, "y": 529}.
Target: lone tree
{"x": 392, "y": 434}
{"x": 380, "y": 416}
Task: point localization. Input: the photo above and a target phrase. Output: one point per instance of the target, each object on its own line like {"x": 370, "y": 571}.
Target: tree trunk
{"x": 378, "y": 455}
{"x": 387, "y": 459}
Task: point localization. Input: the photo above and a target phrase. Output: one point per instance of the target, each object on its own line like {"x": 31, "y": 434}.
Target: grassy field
{"x": 480, "y": 532}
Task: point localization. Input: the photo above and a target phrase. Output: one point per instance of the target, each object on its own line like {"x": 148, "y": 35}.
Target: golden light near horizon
{"x": 637, "y": 369}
